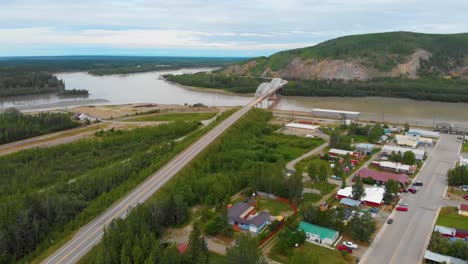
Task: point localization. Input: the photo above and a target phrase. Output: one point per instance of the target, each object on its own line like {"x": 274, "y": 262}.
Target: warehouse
{"x": 423, "y": 133}
{"x": 335, "y": 113}
{"x": 301, "y": 128}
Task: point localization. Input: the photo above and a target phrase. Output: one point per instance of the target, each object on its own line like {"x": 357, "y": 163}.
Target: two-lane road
{"x": 91, "y": 234}
{"x": 404, "y": 241}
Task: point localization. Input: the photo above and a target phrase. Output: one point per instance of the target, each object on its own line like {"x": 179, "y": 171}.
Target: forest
{"x": 15, "y": 125}
{"x": 246, "y": 156}
{"x": 19, "y": 82}
{"x": 46, "y": 193}
{"x": 427, "y": 88}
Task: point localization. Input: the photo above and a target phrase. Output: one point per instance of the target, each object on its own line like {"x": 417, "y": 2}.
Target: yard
{"x": 324, "y": 187}
{"x": 311, "y": 253}
{"x": 449, "y": 217}
{"x": 274, "y": 207}
{"x": 317, "y": 161}
{"x": 174, "y": 117}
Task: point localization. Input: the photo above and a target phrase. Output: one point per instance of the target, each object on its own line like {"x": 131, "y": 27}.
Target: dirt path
{"x": 290, "y": 166}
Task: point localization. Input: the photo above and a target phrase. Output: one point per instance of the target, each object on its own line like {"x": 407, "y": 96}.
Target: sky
{"x": 235, "y": 28}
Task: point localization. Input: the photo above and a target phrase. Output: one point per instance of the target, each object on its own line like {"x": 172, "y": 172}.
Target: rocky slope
{"x": 365, "y": 57}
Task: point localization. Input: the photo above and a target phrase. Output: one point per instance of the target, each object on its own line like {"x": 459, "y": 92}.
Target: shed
{"x": 318, "y": 234}
{"x": 463, "y": 209}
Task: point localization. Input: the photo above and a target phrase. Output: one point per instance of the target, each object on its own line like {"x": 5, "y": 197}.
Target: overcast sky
{"x": 209, "y": 27}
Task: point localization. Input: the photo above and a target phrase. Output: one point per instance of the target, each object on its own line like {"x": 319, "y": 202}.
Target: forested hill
{"x": 368, "y": 56}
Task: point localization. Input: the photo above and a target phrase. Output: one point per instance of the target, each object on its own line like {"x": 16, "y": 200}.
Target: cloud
{"x": 245, "y": 25}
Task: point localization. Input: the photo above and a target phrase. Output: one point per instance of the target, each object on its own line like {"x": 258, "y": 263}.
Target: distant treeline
{"x": 33, "y": 75}
{"x": 432, "y": 89}
{"x": 19, "y": 82}
{"x": 75, "y": 92}
{"x": 16, "y": 126}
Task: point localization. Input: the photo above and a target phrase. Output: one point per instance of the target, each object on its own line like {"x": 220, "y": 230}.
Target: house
{"x": 432, "y": 257}
{"x": 350, "y": 202}
{"x": 463, "y": 210}
{"x": 83, "y": 117}
{"x": 304, "y": 128}
{"x": 395, "y": 166}
{"x": 423, "y": 133}
{"x": 382, "y": 177}
{"x": 318, "y": 234}
{"x": 245, "y": 217}
{"x": 365, "y": 148}
{"x": 445, "y": 231}
{"x": 383, "y": 139}
{"x": 418, "y": 153}
{"x": 373, "y": 195}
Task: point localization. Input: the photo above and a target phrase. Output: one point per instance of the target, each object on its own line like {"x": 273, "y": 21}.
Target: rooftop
{"x": 464, "y": 207}
{"x": 350, "y": 202}
{"x": 373, "y": 194}
{"x": 245, "y": 214}
{"x": 322, "y": 232}
{"x": 382, "y": 176}
{"x": 336, "y": 111}
{"x": 302, "y": 126}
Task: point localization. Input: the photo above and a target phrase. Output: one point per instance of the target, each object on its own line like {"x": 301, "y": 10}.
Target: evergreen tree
{"x": 313, "y": 171}
{"x": 197, "y": 251}
{"x": 244, "y": 251}
{"x": 358, "y": 190}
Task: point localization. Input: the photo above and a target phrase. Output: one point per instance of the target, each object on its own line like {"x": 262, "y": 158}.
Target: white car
{"x": 350, "y": 245}
{"x": 403, "y": 204}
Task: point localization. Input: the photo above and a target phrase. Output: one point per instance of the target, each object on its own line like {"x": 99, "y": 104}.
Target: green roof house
{"x": 318, "y": 234}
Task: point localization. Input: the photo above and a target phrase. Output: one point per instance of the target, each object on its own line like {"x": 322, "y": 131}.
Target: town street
{"x": 406, "y": 239}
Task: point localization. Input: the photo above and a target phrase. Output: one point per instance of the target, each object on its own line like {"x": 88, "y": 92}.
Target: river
{"x": 151, "y": 88}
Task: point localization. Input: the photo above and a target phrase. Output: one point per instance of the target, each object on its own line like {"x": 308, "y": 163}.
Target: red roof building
{"x": 382, "y": 177}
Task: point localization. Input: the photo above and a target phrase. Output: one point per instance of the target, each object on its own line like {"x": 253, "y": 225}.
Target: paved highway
{"x": 405, "y": 241}
{"x": 91, "y": 234}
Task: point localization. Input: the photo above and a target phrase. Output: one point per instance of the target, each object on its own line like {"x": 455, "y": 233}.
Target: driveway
{"x": 405, "y": 240}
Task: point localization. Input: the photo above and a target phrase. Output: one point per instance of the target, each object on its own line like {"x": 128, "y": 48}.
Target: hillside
{"x": 364, "y": 57}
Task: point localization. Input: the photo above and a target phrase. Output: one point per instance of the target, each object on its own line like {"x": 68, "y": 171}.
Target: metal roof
{"x": 322, "y": 232}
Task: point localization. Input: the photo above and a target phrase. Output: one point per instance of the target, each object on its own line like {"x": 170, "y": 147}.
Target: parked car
{"x": 402, "y": 208}
{"x": 412, "y": 189}
{"x": 464, "y": 188}
{"x": 390, "y": 221}
{"x": 374, "y": 210}
{"x": 350, "y": 245}
{"x": 334, "y": 177}
{"x": 344, "y": 248}
{"x": 465, "y": 197}
{"x": 403, "y": 204}
{"x": 418, "y": 183}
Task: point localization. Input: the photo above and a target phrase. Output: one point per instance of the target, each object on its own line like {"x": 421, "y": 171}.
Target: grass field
{"x": 174, "y": 117}
{"x": 273, "y": 206}
{"x": 311, "y": 253}
{"x": 303, "y": 164}
{"x": 449, "y": 217}
{"x": 293, "y": 146}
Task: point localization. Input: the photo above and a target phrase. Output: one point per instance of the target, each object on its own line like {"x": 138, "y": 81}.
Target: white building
{"x": 302, "y": 127}
{"x": 372, "y": 197}
{"x": 418, "y": 153}
{"x": 335, "y": 113}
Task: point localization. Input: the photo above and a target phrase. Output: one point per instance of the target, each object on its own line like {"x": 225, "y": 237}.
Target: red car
{"x": 465, "y": 197}
{"x": 344, "y": 248}
{"x": 402, "y": 208}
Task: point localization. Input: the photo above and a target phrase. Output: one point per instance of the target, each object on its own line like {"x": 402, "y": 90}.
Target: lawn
{"x": 174, "y": 117}
{"x": 293, "y": 146}
{"x": 324, "y": 188}
{"x": 465, "y": 147}
{"x": 311, "y": 198}
{"x": 312, "y": 253}
{"x": 273, "y": 206}
{"x": 303, "y": 164}
{"x": 449, "y": 217}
